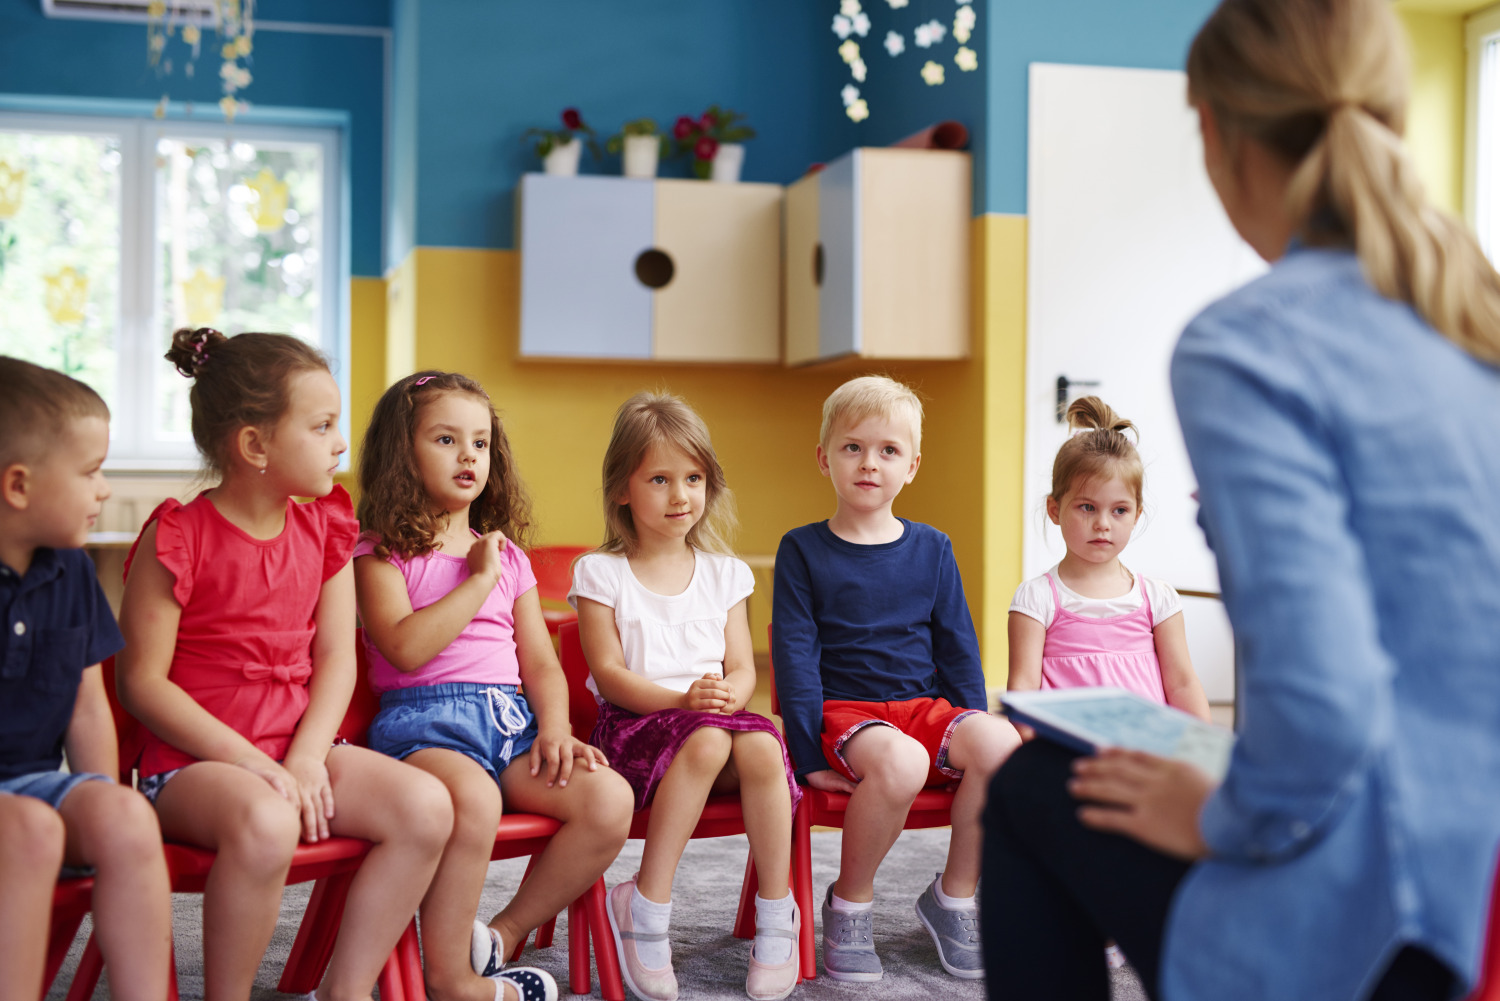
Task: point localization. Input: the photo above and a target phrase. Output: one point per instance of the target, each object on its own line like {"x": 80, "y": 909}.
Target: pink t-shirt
{"x": 485, "y": 652}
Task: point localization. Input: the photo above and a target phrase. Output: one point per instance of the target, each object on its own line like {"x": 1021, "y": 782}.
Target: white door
{"x": 1127, "y": 244}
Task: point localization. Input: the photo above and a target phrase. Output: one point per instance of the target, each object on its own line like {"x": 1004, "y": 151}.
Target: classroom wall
{"x": 1435, "y": 122}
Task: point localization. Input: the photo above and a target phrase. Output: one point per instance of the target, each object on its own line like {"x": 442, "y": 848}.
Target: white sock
{"x": 948, "y": 903}
{"x": 651, "y": 918}
{"x": 843, "y": 906}
{"x": 773, "y": 950}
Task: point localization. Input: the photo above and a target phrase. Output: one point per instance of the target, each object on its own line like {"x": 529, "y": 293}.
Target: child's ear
{"x": 250, "y": 443}
{"x": 15, "y": 486}
{"x": 911, "y": 473}
{"x": 1053, "y": 510}
{"x": 823, "y": 461}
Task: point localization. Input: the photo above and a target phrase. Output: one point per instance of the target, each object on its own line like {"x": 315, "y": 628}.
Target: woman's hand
{"x": 556, "y": 753}
{"x": 709, "y": 694}
{"x": 314, "y": 794}
{"x": 829, "y": 780}
{"x": 1154, "y": 800}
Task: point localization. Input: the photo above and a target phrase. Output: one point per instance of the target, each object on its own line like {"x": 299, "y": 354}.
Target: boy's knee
{"x": 981, "y": 743}
{"x": 31, "y": 831}
{"x": 900, "y": 769}
{"x": 127, "y": 828}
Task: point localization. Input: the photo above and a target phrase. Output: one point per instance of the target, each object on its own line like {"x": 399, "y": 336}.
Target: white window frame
{"x": 138, "y": 323}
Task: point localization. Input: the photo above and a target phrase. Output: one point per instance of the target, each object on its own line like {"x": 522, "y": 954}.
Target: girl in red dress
{"x": 239, "y": 626}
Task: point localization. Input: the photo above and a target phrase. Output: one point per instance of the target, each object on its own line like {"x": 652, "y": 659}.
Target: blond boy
{"x": 57, "y": 627}
{"x": 878, "y": 673}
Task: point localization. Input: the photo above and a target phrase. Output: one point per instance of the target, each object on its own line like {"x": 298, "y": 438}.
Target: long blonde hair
{"x": 1323, "y": 84}
{"x": 647, "y": 419}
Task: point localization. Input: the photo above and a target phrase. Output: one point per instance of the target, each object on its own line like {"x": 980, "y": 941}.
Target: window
{"x": 115, "y": 232}
{"x": 1482, "y": 148}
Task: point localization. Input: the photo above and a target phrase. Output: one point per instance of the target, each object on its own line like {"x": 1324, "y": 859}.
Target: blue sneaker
{"x": 955, "y": 933}
{"x": 849, "y": 944}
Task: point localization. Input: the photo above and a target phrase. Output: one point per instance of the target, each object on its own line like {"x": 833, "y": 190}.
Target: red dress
{"x": 244, "y": 642}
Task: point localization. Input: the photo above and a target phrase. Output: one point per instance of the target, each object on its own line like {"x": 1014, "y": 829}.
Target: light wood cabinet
{"x": 665, "y": 270}
{"x": 876, "y": 257}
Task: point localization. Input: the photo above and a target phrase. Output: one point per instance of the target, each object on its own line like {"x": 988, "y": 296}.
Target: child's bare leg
{"x": 677, "y": 807}
{"x": 254, "y": 831}
{"x": 980, "y": 744}
{"x": 114, "y": 830}
{"x": 31, "y": 853}
{"x": 452, "y": 899}
{"x": 595, "y": 809}
{"x": 757, "y": 767}
{"x": 892, "y": 769}
{"x": 408, "y": 815}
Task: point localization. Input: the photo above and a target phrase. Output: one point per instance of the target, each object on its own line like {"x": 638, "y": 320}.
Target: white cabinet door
{"x": 838, "y": 230}
{"x": 580, "y": 238}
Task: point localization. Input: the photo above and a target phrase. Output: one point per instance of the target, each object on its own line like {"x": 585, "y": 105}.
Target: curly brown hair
{"x": 393, "y": 504}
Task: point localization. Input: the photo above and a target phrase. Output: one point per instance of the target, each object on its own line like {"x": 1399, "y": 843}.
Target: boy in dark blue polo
{"x": 55, "y": 628}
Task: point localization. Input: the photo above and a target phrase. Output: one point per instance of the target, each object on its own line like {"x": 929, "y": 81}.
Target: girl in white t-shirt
{"x": 661, "y": 614}
{"x": 1089, "y": 621}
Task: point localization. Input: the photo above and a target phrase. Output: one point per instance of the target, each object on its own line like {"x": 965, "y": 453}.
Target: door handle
{"x": 1063, "y": 384}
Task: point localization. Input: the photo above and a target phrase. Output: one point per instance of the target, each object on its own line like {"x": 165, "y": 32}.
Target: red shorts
{"x": 931, "y": 722}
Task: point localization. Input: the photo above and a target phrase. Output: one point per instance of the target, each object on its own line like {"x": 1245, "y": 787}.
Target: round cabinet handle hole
{"x": 654, "y": 269}
{"x": 818, "y": 264}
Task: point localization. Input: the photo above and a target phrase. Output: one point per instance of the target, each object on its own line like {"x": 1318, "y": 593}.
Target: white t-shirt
{"x": 1034, "y": 598}
{"x": 671, "y": 639}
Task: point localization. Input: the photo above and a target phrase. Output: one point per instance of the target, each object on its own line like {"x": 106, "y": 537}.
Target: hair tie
{"x": 200, "y": 355}
{"x": 425, "y": 379}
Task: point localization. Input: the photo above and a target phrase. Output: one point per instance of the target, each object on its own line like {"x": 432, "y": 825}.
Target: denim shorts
{"x": 49, "y": 787}
{"x": 490, "y": 723}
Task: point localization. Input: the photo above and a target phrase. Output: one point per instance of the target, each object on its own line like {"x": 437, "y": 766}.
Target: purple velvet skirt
{"x": 641, "y": 748}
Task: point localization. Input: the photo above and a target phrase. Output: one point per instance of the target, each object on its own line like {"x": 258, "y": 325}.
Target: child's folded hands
{"x": 710, "y": 694}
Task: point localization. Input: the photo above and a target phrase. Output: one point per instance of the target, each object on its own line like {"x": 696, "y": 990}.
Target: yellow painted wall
{"x": 1435, "y": 122}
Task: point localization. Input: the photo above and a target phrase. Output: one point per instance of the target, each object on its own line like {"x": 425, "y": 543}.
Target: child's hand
{"x": 484, "y": 555}
{"x": 276, "y": 777}
{"x": 558, "y": 753}
{"x": 315, "y": 795}
{"x": 829, "y": 780}
{"x": 709, "y": 694}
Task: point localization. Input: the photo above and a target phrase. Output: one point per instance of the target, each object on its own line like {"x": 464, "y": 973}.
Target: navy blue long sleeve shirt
{"x": 868, "y": 623}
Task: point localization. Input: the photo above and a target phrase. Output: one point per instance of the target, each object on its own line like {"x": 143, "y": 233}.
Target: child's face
{"x": 667, "y": 494}
{"x": 69, "y": 485}
{"x": 1096, "y": 516}
{"x": 452, "y": 446}
{"x": 303, "y": 451}
{"x": 869, "y": 462}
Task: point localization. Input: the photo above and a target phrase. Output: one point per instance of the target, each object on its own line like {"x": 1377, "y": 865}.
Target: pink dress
{"x": 1082, "y": 651}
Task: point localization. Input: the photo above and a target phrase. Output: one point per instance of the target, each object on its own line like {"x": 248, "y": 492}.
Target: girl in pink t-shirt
{"x": 454, "y": 627}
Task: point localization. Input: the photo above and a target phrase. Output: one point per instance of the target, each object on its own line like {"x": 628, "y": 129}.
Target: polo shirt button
{"x": 20, "y": 629}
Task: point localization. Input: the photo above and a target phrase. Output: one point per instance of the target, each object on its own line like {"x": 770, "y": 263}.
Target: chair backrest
{"x": 771, "y": 671}
{"x": 1488, "y": 988}
{"x": 364, "y": 703}
{"x": 130, "y": 736}
{"x": 553, "y": 567}
{"x": 583, "y": 711}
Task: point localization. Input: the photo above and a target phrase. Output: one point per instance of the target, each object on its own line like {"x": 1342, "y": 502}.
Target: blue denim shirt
{"x": 1348, "y": 460}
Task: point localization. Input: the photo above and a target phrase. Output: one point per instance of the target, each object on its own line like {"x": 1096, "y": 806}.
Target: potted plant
{"x": 714, "y": 140}
{"x": 640, "y": 144}
{"x": 560, "y": 148}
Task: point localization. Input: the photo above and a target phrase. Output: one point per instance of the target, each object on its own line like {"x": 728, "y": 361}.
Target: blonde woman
{"x": 1338, "y": 413}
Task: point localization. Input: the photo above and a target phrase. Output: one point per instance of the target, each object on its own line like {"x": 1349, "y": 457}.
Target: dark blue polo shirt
{"x": 56, "y": 623}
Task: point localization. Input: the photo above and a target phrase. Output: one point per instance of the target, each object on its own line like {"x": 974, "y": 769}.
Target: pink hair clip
{"x": 425, "y": 379}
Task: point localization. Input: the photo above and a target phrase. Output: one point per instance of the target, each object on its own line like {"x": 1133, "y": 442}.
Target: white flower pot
{"x": 727, "y": 162}
{"x": 563, "y": 160}
{"x": 641, "y": 154}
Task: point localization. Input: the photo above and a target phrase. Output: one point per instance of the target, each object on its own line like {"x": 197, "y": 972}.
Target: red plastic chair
{"x": 72, "y": 899}
{"x": 826, "y": 809}
{"x": 721, "y": 816}
{"x": 553, "y": 567}
{"x": 1488, "y": 988}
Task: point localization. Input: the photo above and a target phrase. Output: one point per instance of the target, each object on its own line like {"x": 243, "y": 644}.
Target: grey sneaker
{"x": 955, "y": 933}
{"x": 849, "y": 944}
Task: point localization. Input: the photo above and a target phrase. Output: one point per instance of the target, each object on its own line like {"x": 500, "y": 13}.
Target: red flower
{"x": 572, "y": 119}
{"x": 706, "y": 148}
{"x": 685, "y": 127}
{"x": 708, "y": 121}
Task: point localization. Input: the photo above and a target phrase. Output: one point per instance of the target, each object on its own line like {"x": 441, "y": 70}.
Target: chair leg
{"x": 409, "y": 949}
{"x": 87, "y": 976}
{"x": 611, "y": 984}
{"x": 802, "y": 887}
{"x": 544, "y": 933}
{"x": 521, "y": 945}
{"x": 580, "y": 977}
{"x": 59, "y": 939}
{"x": 390, "y": 984}
{"x": 744, "y": 922}
{"x": 313, "y": 946}
{"x": 172, "y": 977}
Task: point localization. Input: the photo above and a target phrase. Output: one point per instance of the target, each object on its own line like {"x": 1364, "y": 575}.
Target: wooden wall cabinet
{"x": 876, "y": 258}
{"x": 664, "y": 270}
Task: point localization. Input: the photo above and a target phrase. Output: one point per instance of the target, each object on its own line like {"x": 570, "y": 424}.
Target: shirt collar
{"x": 45, "y": 567}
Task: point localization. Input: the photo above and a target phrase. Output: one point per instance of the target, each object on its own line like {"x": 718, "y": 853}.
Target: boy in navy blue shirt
{"x": 878, "y": 673}
{"x": 55, "y": 628}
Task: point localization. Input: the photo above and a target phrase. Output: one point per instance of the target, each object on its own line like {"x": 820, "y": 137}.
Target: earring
{"x": 262, "y": 470}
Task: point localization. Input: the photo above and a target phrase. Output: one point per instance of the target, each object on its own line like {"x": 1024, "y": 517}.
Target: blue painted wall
{"x": 88, "y": 60}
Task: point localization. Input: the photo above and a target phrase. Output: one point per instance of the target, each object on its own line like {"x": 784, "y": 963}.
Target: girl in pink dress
{"x": 1089, "y": 621}
{"x": 239, "y": 628}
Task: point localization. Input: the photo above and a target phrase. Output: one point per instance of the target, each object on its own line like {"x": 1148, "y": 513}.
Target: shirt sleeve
{"x": 955, "y": 646}
{"x": 1317, "y": 680}
{"x": 796, "y": 658}
{"x": 596, "y": 578}
{"x": 105, "y": 639}
{"x": 1165, "y": 601}
{"x": 341, "y": 533}
{"x": 517, "y": 569}
{"x": 741, "y": 583}
{"x": 1034, "y": 598}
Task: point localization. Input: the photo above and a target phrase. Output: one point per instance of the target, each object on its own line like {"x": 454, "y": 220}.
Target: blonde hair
{"x": 1323, "y": 84}
{"x": 872, "y": 396}
{"x": 648, "y": 419}
{"x": 1098, "y": 448}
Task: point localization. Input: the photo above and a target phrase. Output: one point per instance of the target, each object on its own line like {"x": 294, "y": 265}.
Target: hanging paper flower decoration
{"x": 234, "y": 21}
{"x": 858, "y": 70}
{"x": 896, "y": 4}
{"x": 842, "y": 26}
{"x": 203, "y": 296}
{"x": 850, "y": 94}
{"x": 269, "y": 209}
{"x": 858, "y": 111}
{"x": 963, "y": 24}
{"x": 861, "y": 24}
{"x": 67, "y": 294}
{"x": 849, "y": 8}
{"x": 12, "y": 188}
{"x": 966, "y": 59}
{"x": 849, "y": 51}
{"x": 933, "y": 73}
{"x": 929, "y": 34}
{"x": 895, "y": 43}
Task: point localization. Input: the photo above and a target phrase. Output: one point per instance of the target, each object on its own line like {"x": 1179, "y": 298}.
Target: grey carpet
{"x": 710, "y": 962}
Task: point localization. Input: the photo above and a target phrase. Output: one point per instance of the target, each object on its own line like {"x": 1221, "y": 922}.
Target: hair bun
{"x": 1089, "y": 413}
{"x": 191, "y": 348}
